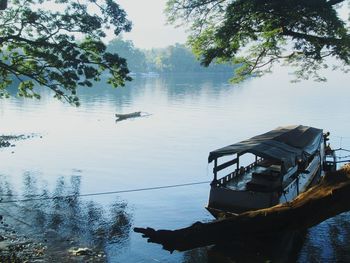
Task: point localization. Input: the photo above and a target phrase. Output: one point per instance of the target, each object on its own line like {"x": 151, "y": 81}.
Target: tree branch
{"x": 334, "y": 2}
{"x": 312, "y": 38}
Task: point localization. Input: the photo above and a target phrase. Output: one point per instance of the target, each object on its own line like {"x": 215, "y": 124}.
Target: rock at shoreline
{"x": 17, "y": 248}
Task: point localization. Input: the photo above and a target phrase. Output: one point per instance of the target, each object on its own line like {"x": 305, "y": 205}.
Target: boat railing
{"x": 236, "y": 173}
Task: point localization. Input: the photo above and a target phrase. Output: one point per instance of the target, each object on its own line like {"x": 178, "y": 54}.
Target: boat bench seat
{"x": 252, "y": 186}
{"x": 268, "y": 163}
{"x": 266, "y": 181}
{"x": 266, "y": 175}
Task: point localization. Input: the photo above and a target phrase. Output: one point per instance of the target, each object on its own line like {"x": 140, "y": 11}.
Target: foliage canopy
{"x": 176, "y": 58}
{"x": 58, "y": 44}
{"x": 134, "y": 56}
{"x": 259, "y": 33}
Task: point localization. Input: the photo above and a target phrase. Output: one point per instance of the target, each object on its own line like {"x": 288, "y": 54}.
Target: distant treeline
{"x": 172, "y": 59}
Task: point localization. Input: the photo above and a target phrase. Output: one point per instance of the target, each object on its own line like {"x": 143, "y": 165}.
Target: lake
{"x": 74, "y": 151}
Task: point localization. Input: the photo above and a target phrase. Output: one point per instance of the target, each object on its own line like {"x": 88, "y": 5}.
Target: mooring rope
{"x": 102, "y": 193}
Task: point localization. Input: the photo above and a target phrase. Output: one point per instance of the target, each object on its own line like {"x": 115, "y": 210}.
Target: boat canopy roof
{"x": 285, "y": 144}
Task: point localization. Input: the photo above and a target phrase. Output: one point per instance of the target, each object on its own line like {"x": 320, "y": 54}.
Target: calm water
{"x": 83, "y": 150}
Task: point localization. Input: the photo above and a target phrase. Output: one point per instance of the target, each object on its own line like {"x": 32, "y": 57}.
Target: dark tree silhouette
{"x": 258, "y": 33}
{"x": 58, "y": 45}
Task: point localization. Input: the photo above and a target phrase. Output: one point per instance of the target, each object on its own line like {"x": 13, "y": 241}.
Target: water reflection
{"x": 340, "y": 238}
{"x": 64, "y": 222}
{"x": 174, "y": 87}
{"x": 328, "y": 242}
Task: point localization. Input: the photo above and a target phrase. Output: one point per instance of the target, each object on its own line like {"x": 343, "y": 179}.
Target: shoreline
{"x": 20, "y": 241}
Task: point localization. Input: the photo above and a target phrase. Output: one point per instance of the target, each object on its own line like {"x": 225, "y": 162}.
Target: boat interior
{"x": 261, "y": 175}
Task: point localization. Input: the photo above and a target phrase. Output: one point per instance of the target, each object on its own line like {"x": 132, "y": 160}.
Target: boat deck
{"x": 239, "y": 182}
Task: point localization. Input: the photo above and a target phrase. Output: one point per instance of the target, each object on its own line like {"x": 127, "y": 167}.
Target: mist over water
{"x": 84, "y": 150}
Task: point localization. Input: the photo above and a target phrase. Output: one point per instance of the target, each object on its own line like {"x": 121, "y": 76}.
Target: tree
{"x": 58, "y": 44}
{"x": 179, "y": 59}
{"x": 256, "y": 34}
{"x": 174, "y": 59}
{"x": 136, "y": 58}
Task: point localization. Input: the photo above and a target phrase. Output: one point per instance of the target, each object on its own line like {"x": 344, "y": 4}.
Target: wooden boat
{"x": 127, "y": 115}
{"x": 286, "y": 161}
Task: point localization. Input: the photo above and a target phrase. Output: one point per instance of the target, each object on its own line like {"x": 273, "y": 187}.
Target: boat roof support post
{"x": 214, "y": 170}
{"x": 283, "y": 168}
{"x": 237, "y": 161}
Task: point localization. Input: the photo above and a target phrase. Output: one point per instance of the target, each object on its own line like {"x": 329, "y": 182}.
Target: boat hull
{"x": 224, "y": 199}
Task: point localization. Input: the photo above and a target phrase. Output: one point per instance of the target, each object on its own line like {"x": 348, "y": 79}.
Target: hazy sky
{"x": 149, "y": 29}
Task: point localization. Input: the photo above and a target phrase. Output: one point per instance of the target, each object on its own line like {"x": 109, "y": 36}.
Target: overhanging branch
{"x": 312, "y": 38}
{"x": 334, "y": 2}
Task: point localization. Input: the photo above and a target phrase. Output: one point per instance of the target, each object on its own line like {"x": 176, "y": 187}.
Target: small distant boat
{"x": 127, "y": 115}
{"x": 286, "y": 162}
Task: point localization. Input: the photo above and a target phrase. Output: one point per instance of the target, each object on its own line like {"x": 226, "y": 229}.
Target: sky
{"x": 149, "y": 29}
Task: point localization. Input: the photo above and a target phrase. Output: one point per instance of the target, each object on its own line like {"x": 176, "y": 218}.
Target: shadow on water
{"x": 281, "y": 248}
{"x": 340, "y": 238}
{"x": 328, "y": 242}
{"x": 64, "y": 222}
